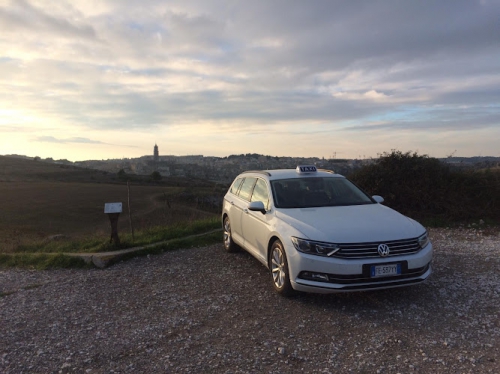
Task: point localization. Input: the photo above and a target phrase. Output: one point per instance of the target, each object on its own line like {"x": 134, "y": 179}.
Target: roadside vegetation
{"x": 431, "y": 191}
{"x": 141, "y": 237}
{"x": 53, "y": 254}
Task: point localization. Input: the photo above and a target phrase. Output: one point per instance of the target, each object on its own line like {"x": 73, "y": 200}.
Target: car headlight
{"x": 314, "y": 248}
{"x": 423, "y": 240}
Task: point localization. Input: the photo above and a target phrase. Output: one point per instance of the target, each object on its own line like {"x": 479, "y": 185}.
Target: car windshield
{"x": 317, "y": 192}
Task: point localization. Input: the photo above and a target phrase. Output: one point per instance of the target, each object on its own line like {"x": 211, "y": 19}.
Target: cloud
{"x": 15, "y": 129}
{"x": 248, "y": 67}
{"x": 51, "y": 139}
{"x": 76, "y": 140}
{"x": 22, "y": 16}
{"x": 434, "y": 119}
{"x": 372, "y": 95}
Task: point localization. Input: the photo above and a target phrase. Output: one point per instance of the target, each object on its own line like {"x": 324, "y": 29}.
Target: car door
{"x": 238, "y": 203}
{"x": 255, "y": 225}
{"x": 232, "y": 211}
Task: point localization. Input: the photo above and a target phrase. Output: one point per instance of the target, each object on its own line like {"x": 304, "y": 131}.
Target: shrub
{"x": 427, "y": 189}
{"x": 155, "y": 176}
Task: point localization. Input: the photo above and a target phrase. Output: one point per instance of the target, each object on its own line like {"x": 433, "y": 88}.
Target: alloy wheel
{"x": 278, "y": 267}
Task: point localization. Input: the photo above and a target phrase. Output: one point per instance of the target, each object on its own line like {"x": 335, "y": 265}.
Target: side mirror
{"x": 257, "y": 206}
{"x": 378, "y": 199}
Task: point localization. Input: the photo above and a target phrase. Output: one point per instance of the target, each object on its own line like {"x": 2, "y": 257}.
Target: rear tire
{"x": 229, "y": 244}
{"x": 279, "y": 270}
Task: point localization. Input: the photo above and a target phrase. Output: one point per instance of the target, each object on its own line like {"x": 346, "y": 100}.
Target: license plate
{"x": 385, "y": 270}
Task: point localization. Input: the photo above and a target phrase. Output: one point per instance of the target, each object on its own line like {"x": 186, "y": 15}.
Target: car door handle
{"x": 245, "y": 210}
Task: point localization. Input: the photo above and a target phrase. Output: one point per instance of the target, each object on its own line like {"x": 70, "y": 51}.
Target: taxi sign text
{"x": 306, "y": 169}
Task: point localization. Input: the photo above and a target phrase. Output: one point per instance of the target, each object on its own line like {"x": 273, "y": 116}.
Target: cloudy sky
{"x": 89, "y": 79}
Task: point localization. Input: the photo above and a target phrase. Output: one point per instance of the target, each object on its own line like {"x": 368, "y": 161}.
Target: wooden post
{"x": 113, "y": 211}
{"x": 130, "y": 212}
{"x": 113, "y": 219}
{"x": 167, "y": 203}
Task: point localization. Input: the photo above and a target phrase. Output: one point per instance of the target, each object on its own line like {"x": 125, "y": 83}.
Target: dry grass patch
{"x": 33, "y": 212}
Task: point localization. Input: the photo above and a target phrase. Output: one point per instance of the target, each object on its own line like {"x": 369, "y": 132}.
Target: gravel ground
{"x": 203, "y": 310}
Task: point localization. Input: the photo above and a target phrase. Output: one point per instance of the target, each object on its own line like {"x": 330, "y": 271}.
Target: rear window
{"x": 236, "y": 185}
{"x": 246, "y": 188}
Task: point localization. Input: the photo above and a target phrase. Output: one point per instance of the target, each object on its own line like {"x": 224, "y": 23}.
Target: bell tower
{"x": 156, "y": 157}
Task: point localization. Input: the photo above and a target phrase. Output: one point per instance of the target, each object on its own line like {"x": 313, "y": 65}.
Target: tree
{"x": 155, "y": 176}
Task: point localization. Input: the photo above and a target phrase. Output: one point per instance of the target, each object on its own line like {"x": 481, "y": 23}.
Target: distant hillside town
{"x": 219, "y": 169}
{"x": 224, "y": 169}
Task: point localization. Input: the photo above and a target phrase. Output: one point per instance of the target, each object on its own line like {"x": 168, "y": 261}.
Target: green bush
{"x": 142, "y": 237}
{"x": 427, "y": 189}
{"x": 40, "y": 261}
{"x": 155, "y": 176}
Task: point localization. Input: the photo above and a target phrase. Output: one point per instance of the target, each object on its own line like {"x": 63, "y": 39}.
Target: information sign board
{"x": 113, "y": 208}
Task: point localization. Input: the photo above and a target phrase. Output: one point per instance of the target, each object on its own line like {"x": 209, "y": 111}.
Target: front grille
{"x": 364, "y": 277}
{"x": 370, "y": 250}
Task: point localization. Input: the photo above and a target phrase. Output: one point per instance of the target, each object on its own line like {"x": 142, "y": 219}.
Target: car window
{"x": 246, "y": 188}
{"x": 260, "y": 193}
{"x": 317, "y": 192}
{"x": 236, "y": 185}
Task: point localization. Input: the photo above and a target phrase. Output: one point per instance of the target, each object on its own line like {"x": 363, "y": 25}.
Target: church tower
{"x": 156, "y": 157}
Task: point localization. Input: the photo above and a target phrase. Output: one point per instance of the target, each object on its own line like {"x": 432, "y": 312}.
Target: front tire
{"x": 279, "y": 270}
{"x": 229, "y": 244}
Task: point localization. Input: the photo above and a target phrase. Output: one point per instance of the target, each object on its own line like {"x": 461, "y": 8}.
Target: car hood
{"x": 351, "y": 224}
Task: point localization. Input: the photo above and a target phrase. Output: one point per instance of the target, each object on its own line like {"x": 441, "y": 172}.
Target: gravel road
{"x": 203, "y": 310}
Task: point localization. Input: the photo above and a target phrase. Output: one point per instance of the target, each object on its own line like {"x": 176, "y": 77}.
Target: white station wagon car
{"x": 317, "y": 232}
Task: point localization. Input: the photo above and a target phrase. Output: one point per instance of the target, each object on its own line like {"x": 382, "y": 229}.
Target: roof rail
{"x": 327, "y": 171}
{"x": 258, "y": 171}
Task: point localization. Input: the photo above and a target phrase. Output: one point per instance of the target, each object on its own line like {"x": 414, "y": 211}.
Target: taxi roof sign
{"x": 306, "y": 169}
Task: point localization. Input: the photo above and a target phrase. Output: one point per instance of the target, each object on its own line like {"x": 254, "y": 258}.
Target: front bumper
{"x": 340, "y": 275}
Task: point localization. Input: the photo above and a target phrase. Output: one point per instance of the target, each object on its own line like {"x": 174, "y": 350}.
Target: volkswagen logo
{"x": 383, "y": 250}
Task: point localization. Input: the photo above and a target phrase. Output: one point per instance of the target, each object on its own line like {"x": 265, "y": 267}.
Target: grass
{"x": 142, "y": 237}
{"x": 32, "y": 212}
{"x": 52, "y": 255}
{"x": 180, "y": 243}
{"x": 17, "y": 169}
{"x": 40, "y": 261}
{"x": 66, "y": 208}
